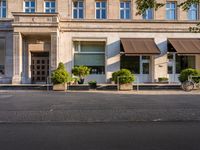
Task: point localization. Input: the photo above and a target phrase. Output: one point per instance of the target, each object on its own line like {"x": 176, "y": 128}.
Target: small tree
{"x": 60, "y": 75}
{"x": 189, "y": 72}
{"x": 123, "y": 76}
{"x": 81, "y": 71}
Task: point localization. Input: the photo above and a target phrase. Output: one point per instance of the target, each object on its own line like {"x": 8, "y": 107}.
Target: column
{"x": 17, "y": 58}
{"x": 54, "y": 51}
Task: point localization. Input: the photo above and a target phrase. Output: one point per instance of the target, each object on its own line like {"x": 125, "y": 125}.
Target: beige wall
{"x": 64, "y": 8}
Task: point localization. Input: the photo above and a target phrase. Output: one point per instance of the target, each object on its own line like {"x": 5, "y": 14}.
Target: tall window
{"x": 50, "y": 6}
{"x": 148, "y": 14}
{"x": 2, "y": 57}
{"x": 78, "y": 9}
{"x": 171, "y": 11}
{"x": 193, "y": 12}
{"x": 2, "y": 8}
{"x": 101, "y": 10}
{"x": 29, "y": 6}
{"x": 184, "y": 62}
{"x": 125, "y": 9}
{"x": 90, "y": 54}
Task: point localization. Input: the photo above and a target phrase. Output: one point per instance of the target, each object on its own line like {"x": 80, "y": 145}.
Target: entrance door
{"x": 39, "y": 67}
{"x": 145, "y": 68}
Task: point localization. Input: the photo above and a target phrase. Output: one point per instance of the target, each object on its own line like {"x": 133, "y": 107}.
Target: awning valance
{"x": 185, "y": 45}
{"x": 139, "y": 46}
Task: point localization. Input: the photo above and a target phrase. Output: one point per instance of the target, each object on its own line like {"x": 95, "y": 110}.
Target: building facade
{"x": 105, "y": 35}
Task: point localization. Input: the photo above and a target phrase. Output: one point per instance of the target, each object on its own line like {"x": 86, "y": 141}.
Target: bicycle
{"x": 190, "y": 84}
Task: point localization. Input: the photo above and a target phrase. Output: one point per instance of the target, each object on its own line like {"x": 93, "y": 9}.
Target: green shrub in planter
{"x": 189, "y": 72}
{"x": 81, "y": 72}
{"x": 92, "y": 84}
{"x": 60, "y": 75}
{"x": 163, "y": 79}
{"x": 124, "y": 76}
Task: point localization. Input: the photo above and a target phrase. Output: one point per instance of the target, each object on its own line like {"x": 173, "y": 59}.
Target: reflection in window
{"x": 2, "y": 8}
{"x": 148, "y": 14}
{"x": 171, "y": 10}
{"x": 78, "y": 9}
{"x": 193, "y": 12}
{"x": 2, "y": 56}
{"x": 101, "y": 10}
{"x": 29, "y": 6}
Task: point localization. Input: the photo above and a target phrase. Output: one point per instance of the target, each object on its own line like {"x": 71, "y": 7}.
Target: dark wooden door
{"x": 39, "y": 67}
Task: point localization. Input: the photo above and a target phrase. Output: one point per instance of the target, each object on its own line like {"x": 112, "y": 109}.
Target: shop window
{"x": 131, "y": 63}
{"x": 184, "y": 62}
{"x": 2, "y": 57}
{"x": 90, "y": 54}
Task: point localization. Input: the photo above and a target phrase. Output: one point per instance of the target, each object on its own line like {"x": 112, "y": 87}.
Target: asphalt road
{"x": 101, "y": 136}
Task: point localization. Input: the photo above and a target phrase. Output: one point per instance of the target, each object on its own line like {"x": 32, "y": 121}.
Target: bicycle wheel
{"x": 188, "y": 86}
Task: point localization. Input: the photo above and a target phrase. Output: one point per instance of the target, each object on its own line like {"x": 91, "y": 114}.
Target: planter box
{"x": 126, "y": 87}
{"x": 60, "y": 87}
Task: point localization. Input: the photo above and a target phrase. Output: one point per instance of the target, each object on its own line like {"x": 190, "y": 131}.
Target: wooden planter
{"x": 126, "y": 87}
{"x": 60, "y": 87}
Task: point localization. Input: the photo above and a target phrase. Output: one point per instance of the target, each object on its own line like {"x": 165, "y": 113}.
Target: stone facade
{"x": 55, "y": 33}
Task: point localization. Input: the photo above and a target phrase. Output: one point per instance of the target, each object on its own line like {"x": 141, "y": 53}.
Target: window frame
{"x": 78, "y": 9}
{"x": 170, "y": 9}
{"x": 124, "y": 9}
{"x": 29, "y": 8}
{"x": 50, "y": 7}
{"x": 2, "y": 7}
{"x": 101, "y": 8}
{"x": 197, "y": 12}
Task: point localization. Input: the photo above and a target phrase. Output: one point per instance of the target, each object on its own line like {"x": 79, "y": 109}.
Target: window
{"x": 184, "y": 62}
{"x": 148, "y": 14}
{"x": 125, "y": 10}
{"x": 131, "y": 63}
{"x": 193, "y": 12}
{"x": 2, "y": 57}
{"x": 29, "y": 6}
{"x": 171, "y": 11}
{"x": 90, "y": 54}
{"x": 101, "y": 10}
{"x": 50, "y": 6}
{"x": 2, "y": 8}
{"x": 78, "y": 9}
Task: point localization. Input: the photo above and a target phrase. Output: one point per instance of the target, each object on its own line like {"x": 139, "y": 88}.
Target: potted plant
{"x": 60, "y": 77}
{"x": 124, "y": 79}
{"x": 92, "y": 84}
{"x": 81, "y": 72}
{"x": 163, "y": 80}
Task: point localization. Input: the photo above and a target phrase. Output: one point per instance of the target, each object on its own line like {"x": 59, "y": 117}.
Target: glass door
{"x": 145, "y": 69}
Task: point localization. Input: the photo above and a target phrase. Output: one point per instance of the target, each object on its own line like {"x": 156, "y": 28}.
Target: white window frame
{"x": 171, "y": 9}
{"x": 78, "y": 9}
{"x": 3, "y": 7}
{"x": 100, "y": 8}
{"x": 125, "y": 9}
{"x": 197, "y": 11}
{"x": 30, "y": 7}
{"x": 49, "y": 8}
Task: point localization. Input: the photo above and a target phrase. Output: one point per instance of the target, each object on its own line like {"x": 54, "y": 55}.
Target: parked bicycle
{"x": 192, "y": 83}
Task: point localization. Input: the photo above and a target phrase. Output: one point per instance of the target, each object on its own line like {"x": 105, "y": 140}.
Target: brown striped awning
{"x": 185, "y": 45}
{"x": 138, "y": 46}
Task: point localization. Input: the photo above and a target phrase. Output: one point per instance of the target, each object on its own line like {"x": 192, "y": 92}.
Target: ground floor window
{"x": 131, "y": 63}
{"x": 90, "y": 54}
{"x": 2, "y": 56}
{"x": 184, "y": 62}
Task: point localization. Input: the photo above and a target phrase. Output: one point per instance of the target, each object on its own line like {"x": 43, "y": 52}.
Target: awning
{"x": 185, "y": 45}
{"x": 138, "y": 46}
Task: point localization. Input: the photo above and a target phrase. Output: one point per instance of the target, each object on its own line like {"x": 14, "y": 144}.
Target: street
{"x": 101, "y": 136}
{"x": 99, "y": 121}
